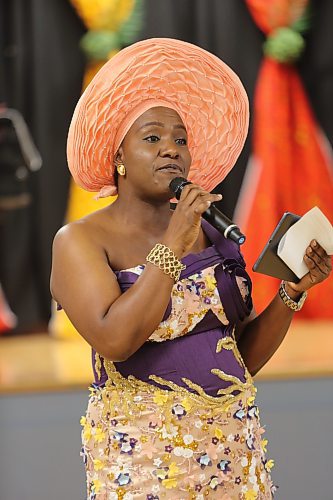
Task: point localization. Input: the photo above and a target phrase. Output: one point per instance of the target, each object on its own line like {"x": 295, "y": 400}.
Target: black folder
{"x": 269, "y": 262}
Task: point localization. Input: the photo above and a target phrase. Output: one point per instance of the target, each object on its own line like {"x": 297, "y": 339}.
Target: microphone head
{"x": 177, "y": 185}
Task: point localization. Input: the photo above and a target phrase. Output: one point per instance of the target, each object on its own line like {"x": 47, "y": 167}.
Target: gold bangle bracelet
{"x": 165, "y": 259}
{"x": 292, "y": 304}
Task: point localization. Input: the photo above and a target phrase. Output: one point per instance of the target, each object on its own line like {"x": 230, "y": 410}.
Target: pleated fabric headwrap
{"x": 205, "y": 92}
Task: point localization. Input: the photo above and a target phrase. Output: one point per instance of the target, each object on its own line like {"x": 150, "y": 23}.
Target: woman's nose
{"x": 169, "y": 149}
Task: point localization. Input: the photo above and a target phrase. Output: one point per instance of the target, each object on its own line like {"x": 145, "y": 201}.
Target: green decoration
{"x": 284, "y": 45}
{"x": 133, "y": 25}
{"x": 98, "y": 44}
{"x": 303, "y": 24}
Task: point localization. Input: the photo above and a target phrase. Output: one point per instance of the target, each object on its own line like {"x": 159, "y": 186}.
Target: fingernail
{"x": 309, "y": 250}
{"x": 314, "y": 243}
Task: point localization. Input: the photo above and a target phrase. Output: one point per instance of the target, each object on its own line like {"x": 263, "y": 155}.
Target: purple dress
{"x": 178, "y": 419}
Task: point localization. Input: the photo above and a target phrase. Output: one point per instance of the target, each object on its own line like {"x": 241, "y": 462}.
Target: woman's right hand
{"x": 185, "y": 222}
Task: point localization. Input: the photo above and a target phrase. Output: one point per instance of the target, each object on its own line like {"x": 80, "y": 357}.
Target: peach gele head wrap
{"x": 205, "y": 92}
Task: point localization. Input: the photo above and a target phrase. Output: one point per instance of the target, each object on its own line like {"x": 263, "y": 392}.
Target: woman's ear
{"x": 119, "y": 156}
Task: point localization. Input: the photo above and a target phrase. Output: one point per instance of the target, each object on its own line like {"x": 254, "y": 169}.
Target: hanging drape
{"x": 291, "y": 165}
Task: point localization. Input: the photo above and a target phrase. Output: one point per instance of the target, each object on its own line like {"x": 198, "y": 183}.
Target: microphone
{"x": 212, "y": 214}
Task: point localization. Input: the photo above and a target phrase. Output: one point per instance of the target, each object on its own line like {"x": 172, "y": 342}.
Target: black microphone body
{"x": 212, "y": 215}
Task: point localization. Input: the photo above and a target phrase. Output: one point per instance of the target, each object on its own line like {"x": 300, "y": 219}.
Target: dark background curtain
{"x": 41, "y": 76}
{"x": 41, "y": 70}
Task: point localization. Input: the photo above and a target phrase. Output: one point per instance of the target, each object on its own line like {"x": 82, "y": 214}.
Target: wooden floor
{"x": 42, "y": 363}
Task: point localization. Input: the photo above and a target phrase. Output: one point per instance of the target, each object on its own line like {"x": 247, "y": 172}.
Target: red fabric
{"x": 293, "y": 165}
{"x": 7, "y": 318}
{"x": 272, "y": 14}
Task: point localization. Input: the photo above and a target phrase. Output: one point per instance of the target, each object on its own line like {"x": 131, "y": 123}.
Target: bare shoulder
{"x": 82, "y": 280}
{"x": 73, "y": 234}
{"x": 90, "y": 232}
{"x": 79, "y": 255}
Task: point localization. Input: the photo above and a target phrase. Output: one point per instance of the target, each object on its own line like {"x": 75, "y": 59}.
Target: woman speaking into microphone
{"x": 162, "y": 297}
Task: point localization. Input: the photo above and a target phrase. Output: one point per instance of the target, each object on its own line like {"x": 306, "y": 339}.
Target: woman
{"x": 164, "y": 299}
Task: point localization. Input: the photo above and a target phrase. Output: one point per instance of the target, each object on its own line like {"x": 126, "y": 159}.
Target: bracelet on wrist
{"x": 288, "y": 301}
{"x": 166, "y": 260}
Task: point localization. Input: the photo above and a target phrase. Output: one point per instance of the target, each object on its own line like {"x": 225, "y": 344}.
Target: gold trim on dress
{"x": 98, "y": 365}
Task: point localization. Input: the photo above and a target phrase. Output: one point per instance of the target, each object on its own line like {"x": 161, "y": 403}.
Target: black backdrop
{"x": 41, "y": 69}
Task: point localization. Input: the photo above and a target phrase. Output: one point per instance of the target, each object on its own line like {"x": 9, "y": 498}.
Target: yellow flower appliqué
{"x": 99, "y": 435}
{"x": 250, "y": 400}
{"x": 169, "y": 483}
{"x": 264, "y": 443}
{"x": 186, "y": 403}
{"x": 211, "y": 282}
{"x": 173, "y": 470}
{"x": 97, "y": 484}
{"x": 98, "y": 464}
{"x": 251, "y": 495}
{"x": 269, "y": 465}
{"x": 160, "y": 398}
{"x": 87, "y": 432}
{"x": 218, "y": 433}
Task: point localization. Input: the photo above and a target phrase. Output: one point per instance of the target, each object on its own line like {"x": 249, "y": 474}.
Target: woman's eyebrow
{"x": 160, "y": 124}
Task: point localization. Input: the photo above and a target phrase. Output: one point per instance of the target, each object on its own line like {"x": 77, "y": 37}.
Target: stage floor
{"x": 42, "y": 363}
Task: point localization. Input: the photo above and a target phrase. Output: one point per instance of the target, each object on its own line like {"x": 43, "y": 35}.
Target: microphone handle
{"x": 221, "y": 222}
{"x": 212, "y": 215}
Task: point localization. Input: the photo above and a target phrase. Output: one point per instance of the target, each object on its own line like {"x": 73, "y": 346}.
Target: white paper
{"x": 292, "y": 246}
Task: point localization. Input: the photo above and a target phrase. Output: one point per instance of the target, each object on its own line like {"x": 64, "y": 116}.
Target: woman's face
{"x": 154, "y": 151}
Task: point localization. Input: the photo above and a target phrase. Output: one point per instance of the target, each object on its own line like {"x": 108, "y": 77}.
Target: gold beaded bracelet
{"x": 164, "y": 258}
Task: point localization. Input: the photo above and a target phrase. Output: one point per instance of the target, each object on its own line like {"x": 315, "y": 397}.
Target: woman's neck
{"x": 142, "y": 214}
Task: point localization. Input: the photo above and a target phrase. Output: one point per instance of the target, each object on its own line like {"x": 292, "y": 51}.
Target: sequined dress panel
{"x": 178, "y": 419}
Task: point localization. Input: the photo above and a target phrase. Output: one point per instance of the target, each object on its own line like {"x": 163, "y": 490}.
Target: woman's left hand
{"x": 319, "y": 265}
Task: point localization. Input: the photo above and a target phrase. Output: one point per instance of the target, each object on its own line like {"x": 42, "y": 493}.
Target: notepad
{"x": 313, "y": 225}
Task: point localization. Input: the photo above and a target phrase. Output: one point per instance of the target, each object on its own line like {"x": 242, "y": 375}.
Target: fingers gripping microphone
{"x": 212, "y": 214}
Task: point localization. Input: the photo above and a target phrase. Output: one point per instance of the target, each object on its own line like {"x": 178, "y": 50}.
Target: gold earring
{"x": 121, "y": 169}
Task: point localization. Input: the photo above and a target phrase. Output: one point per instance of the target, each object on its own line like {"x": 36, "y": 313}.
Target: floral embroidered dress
{"x": 178, "y": 419}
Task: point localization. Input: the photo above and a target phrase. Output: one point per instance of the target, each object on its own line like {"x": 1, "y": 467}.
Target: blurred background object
{"x": 18, "y": 158}
{"x": 7, "y": 317}
{"x": 291, "y": 164}
{"x": 41, "y": 70}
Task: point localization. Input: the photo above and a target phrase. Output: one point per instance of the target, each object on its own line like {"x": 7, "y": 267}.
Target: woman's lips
{"x": 172, "y": 168}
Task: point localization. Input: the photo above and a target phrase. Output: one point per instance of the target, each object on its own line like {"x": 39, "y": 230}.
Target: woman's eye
{"x": 181, "y": 141}
{"x": 152, "y": 138}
